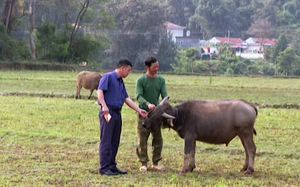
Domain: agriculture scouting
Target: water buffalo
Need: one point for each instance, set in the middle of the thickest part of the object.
(89, 80)
(215, 122)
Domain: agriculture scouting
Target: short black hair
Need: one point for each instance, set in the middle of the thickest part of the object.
(149, 61)
(124, 62)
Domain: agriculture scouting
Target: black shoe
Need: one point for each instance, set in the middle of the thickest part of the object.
(108, 172)
(118, 171)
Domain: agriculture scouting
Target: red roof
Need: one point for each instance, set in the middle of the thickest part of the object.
(230, 40)
(173, 26)
(271, 41)
(235, 42)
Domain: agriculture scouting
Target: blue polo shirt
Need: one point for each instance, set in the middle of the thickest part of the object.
(113, 89)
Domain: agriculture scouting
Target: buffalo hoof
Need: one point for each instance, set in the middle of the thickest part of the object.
(249, 172)
(187, 170)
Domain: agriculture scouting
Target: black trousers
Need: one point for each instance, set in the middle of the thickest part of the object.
(109, 140)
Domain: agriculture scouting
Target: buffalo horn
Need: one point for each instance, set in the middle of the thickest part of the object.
(166, 99)
(170, 121)
(167, 116)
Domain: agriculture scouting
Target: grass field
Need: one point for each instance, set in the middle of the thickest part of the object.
(52, 139)
(260, 90)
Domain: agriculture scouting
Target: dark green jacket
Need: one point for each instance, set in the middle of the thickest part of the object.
(148, 90)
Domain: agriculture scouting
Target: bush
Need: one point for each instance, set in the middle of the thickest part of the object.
(240, 68)
(12, 49)
(229, 71)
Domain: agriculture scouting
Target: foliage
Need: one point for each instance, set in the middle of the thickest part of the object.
(140, 26)
(288, 61)
(261, 28)
(296, 42)
(84, 48)
(224, 50)
(134, 30)
(181, 64)
(280, 45)
(240, 68)
(45, 35)
(55, 46)
(11, 13)
(215, 18)
(179, 12)
(268, 52)
(177, 66)
(206, 67)
(10, 48)
(106, 21)
(167, 52)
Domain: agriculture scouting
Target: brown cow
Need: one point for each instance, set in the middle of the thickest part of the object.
(89, 80)
(215, 122)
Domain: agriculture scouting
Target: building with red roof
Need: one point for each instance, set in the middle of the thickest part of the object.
(174, 30)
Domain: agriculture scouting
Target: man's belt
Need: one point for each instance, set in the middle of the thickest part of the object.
(118, 110)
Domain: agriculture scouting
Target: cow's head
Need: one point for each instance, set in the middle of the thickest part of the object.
(161, 116)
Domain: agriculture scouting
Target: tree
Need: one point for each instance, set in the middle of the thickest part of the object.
(8, 14)
(181, 65)
(180, 11)
(31, 18)
(289, 13)
(296, 42)
(240, 68)
(215, 18)
(76, 26)
(45, 35)
(11, 49)
(167, 52)
(261, 28)
(224, 49)
(280, 45)
(287, 61)
(192, 54)
(140, 25)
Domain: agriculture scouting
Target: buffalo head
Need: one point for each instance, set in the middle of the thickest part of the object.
(162, 115)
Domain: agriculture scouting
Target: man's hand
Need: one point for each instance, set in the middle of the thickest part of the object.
(143, 113)
(151, 106)
(105, 110)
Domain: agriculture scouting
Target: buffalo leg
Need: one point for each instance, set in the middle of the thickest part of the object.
(78, 92)
(250, 150)
(91, 92)
(246, 159)
(189, 156)
(192, 164)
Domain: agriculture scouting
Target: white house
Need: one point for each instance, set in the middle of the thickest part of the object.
(212, 46)
(174, 30)
(256, 45)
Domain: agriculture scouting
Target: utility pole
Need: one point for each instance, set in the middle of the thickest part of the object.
(228, 36)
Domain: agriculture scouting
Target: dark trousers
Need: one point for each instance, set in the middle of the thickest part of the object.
(142, 148)
(109, 140)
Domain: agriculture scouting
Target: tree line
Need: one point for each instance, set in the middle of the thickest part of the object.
(101, 32)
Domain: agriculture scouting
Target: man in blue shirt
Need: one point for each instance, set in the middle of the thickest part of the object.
(111, 95)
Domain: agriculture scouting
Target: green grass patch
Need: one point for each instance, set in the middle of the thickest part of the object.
(264, 91)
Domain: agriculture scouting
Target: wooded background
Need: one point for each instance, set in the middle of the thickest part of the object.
(101, 32)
